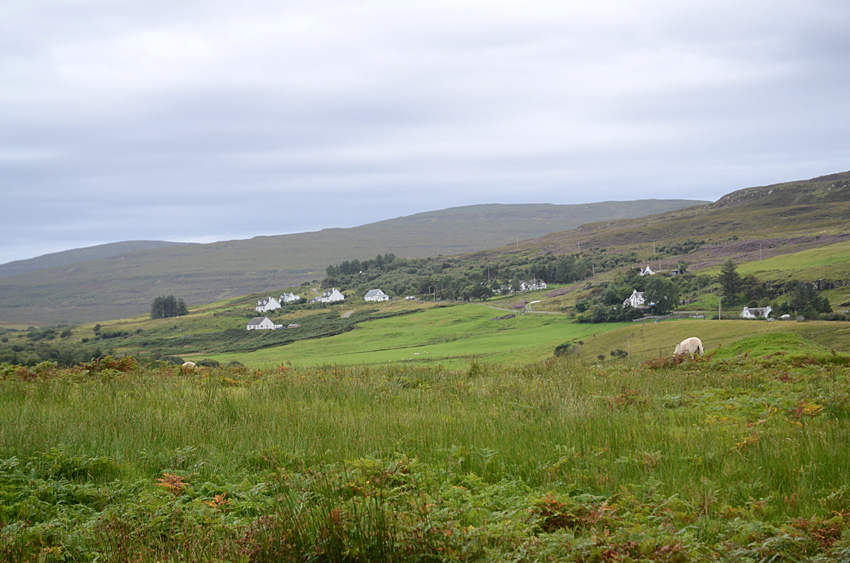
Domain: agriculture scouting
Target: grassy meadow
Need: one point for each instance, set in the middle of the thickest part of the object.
(452, 336)
(723, 339)
(735, 459)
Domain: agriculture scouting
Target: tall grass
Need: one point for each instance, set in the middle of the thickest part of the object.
(765, 440)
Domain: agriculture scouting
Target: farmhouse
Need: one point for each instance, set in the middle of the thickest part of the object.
(376, 295)
(261, 323)
(267, 304)
(329, 296)
(647, 271)
(532, 285)
(290, 298)
(756, 312)
(636, 299)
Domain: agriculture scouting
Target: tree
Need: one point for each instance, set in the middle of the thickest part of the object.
(729, 280)
(663, 293)
(168, 306)
(615, 294)
(806, 301)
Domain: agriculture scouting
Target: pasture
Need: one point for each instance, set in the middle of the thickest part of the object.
(454, 336)
(451, 336)
(736, 459)
(723, 339)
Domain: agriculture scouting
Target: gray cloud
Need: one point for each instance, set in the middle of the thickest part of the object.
(120, 120)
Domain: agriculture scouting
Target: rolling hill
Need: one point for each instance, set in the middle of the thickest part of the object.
(121, 280)
(748, 224)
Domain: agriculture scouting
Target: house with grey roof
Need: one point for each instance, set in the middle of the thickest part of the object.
(261, 323)
(636, 299)
(267, 304)
(376, 295)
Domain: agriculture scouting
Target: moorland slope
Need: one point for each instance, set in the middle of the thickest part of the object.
(748, 224)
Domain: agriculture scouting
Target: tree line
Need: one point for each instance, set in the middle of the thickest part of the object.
(467, 279)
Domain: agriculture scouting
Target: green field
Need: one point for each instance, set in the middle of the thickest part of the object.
(453, 336)
(724, 339)
(830, 262)
(734, 459)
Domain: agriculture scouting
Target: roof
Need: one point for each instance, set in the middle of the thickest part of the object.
(374, 293)
(258, 320)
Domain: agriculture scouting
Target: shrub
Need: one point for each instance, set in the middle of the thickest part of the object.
(566, 349)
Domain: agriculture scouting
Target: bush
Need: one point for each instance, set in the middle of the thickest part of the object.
(566, 349)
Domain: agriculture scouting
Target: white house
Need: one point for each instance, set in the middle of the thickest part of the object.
(260, 323)
(756, 312)
(330, 296)
(376, 295)
(532, 285)
(290, 298)
(647, 271)
(636, 299)
(267, 304)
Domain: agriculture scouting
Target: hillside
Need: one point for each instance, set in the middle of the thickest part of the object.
(80, 286)
(58, 259)
(748, 224)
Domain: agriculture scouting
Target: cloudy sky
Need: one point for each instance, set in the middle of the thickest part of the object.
(219, 119)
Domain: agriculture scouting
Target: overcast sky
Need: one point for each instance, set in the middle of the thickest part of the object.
(220, 119)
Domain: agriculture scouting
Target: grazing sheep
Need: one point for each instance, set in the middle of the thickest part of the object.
(689, 346)
(190, 365)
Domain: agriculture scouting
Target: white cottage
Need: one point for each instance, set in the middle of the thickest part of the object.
(261, 323)
(267, 304)
(376, 295)
(636, 299)
(756, 312)
(532, 285)
(290, 298)
(330, 296)
(647, 271)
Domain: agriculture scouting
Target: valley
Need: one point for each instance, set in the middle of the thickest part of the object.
(463, 419)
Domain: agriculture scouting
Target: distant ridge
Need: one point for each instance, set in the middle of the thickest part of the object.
(79, 286)
(76, 255)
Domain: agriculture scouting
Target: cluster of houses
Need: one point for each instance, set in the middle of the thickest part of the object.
(332, 295)
(524, 286)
